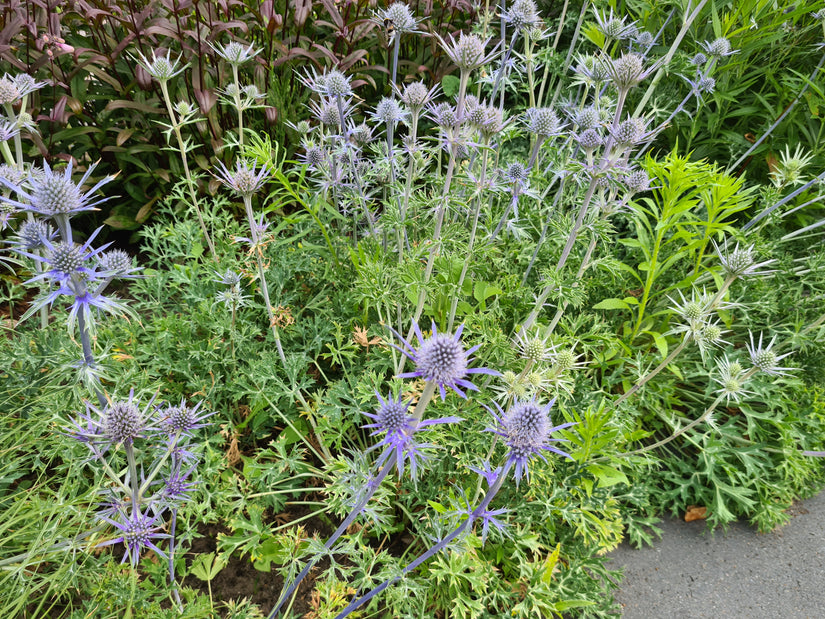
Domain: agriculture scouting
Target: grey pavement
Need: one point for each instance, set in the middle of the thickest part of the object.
(690, 573)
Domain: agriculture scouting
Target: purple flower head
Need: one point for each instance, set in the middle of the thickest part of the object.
(245, 180)
(121, 421)
(66, 261)
(32, 235)
(526, 429)
(54, 194)
(392, 418)
(441, 359)
(137, 532)
(183, 418)
(174, 489)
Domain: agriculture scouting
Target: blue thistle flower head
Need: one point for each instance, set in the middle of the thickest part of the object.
(391, 418)
(183, 418)
(54, 194)
(441, 359)
(137, 530)
(526, 429)
(120, 421)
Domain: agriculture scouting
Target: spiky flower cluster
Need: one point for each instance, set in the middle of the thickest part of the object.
(613, 27)
(54, 194)
(388, 110)
(8, 90)
(626, 71)
(162, 68)
(637, 181)
(765, 359)
(246, 179)
(400, 16)
(522, 15)
(468, 53)
(630, 131)
(589, 139)
(137, 530)
(126, 426)
(543, 122)
(184, 419)
(33, 234)
(236, 54)
(731, 377)
(123, 422)
(527, 431)
(416, 96)
(718, 48)
(740, 262)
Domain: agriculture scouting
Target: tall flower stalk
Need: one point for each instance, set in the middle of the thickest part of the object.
(163, 69)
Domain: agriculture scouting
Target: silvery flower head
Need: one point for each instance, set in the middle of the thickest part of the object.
(533, 347)
(643, 40)
(740, 262)
(53, 194)
(162, 68)
(637, 182)
(543, 122)
(444, 115)
(515, 174)
(234, 53)
(630, 131)
(332, 84)
(313, 156)
(9, 92)
(522, 15)
(718, 48)
(400, 17)
(627, 71)
(488, 119)
(416, 96)
(441, 359)
(709, 337)
(468, 53)
(527, 431)
(116, 263)
(591, 70)
(698, 60)
(731, 378)
(245, 179)
(765, 359)
(326, 112)
(613, 27)
(587, 118)
(389, 111)
(11, 175)
(26, 84)
(589, 140)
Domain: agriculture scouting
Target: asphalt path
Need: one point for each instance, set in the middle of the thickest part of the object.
(691, 573)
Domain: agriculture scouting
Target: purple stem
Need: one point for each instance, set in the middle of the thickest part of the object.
(372, 487)
(477, 512)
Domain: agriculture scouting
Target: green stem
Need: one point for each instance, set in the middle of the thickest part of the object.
(190, 182)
